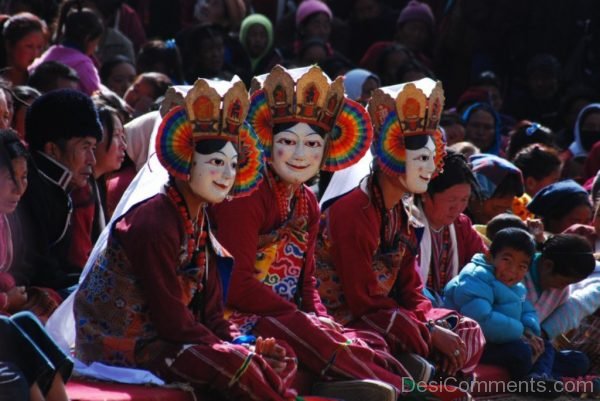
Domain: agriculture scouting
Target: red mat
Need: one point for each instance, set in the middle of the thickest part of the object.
(80, 389)
(87, 390)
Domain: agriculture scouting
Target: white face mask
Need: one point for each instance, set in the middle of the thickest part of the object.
(297, 153)
(213, 175)
(420, 166)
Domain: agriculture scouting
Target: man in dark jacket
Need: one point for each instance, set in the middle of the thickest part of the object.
(62, 129)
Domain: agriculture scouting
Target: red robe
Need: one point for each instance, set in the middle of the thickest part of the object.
(369, 297)
(328, 352)
(134, 309)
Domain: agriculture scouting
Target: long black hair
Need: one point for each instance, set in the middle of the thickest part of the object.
(77, 25)
(457, 170)
(11, 148)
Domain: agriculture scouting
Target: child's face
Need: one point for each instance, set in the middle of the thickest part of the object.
(257, 41)
(510, 265)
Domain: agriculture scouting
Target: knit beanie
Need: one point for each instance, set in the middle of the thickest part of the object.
(558, 199)
(416, 11)
(61, 114)
(310, 7)
(256, 19)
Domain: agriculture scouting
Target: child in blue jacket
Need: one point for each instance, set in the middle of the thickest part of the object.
(489, 289)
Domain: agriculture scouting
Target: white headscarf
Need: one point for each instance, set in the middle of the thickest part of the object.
(576, 147)
(354, 81)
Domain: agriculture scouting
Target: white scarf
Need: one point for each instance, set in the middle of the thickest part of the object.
(425, 247)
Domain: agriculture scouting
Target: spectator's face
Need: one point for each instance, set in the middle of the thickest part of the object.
(212, 54)
(366, 9)
(78, 156)
(533, 186)
(367, 89)
(110, 155)
(257, 40)
(581, 214)
(211, 11)
(140, 91)
(317, 26)
(393, 62)
(510, 266)
(121, 77)
(495, 96)
(542, 85)
(444, 207)
(27, 49)
(589, 131)
(550, 280)
(413, 34)
(454, 133)
(313, 55)
(492, 207)
(480, 129)
(12, 190)
(5, 114)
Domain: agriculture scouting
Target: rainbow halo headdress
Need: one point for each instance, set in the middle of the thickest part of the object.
(211, 110)
(401, 111)
(306, 95)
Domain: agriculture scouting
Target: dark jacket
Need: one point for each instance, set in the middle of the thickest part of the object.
(44, 227)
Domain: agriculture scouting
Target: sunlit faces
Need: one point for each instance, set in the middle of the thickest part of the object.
(78, 155)
(420, 166)
(110, 155)
(12, 190)
(27, 49)
(510, 265)
(581, 214)
(297, 153)
(444, 207)
(212, 175)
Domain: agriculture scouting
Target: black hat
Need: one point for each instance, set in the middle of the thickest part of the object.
(61, 115)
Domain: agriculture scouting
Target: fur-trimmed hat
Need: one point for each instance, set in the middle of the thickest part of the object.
(61, 115)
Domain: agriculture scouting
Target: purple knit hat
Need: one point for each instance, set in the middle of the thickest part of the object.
(416, 11)
(310, 7)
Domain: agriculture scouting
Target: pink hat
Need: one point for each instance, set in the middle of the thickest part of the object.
(416, 11)
(310, 7)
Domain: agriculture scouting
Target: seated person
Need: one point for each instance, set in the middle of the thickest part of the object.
(561, 205)
(62, 130)
(489, 290)
(26, 347)
(504, 220)
(565, 259)
(500, 182)
(144, 91)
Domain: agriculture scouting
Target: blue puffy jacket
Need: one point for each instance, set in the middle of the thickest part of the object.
(502, 311)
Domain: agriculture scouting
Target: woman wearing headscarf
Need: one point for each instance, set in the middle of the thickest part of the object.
(561, 205)
(256, 37)
(499, 181)
(482, 128)
(359, 84)
(587, 133)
